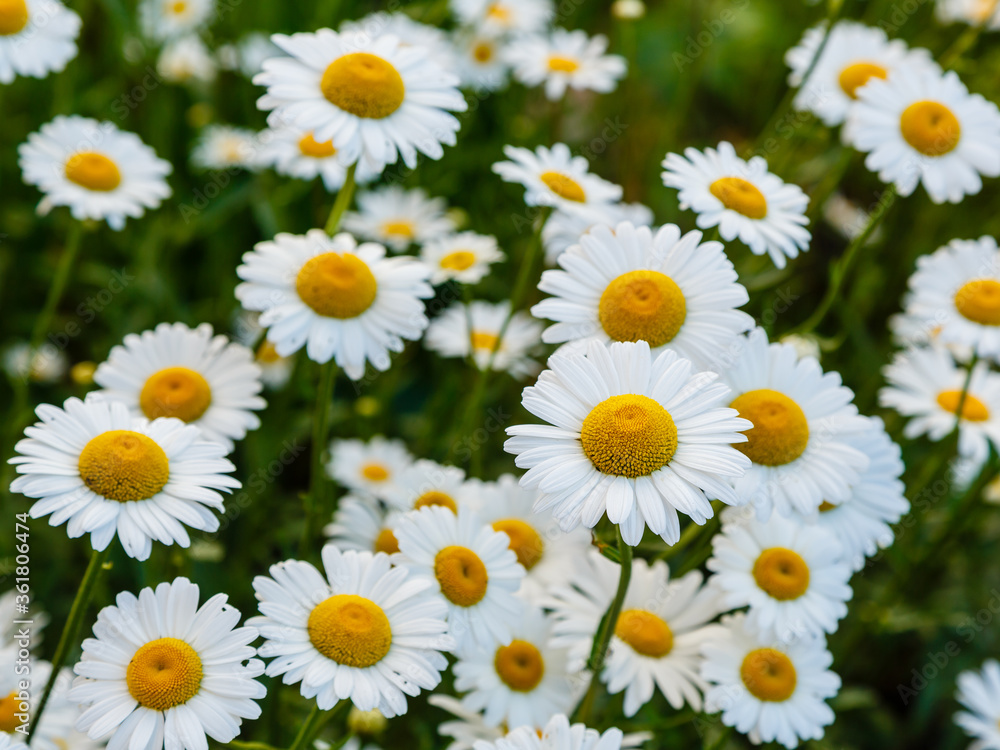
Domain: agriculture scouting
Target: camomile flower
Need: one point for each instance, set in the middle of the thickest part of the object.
(565, 60)
(294, 152)
(96, 170)
(161, 671)
(627, 283)
(186, 60)
(658, 636)
(910, 330)
(398, 218)
(226, 147)
(427, 483)
(638, 437)
(558, 734)
(768, 690)
(471, 565)
(973, 12)
(499, 17)
(372, 468)
(376, 98)
(189, 374)
(340, 300)
(465, 257)
(481, 60)
(854, 54)
(365, 631)
(742, 198)
(979, 694)
(37, 37)
(105, 472)
(565, 228)
(361, 524)
(168, 19)
(411, 33)
(55, 730)
(920, 126)
(449, 335)
(46, 364)
(554, 177)
(247, 56)
(275, 370)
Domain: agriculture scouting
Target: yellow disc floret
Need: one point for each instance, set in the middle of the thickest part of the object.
(8, 707)
(520, 665)
(386, 542)
(434, 498)
(931, 128)
(646, 633)
(781, 573)
(979, 301)
(399, 228)
(973, 410)
(164, 673)
(629, 435)
(526, 543)
(740, 196)
(780, 430)
(123, 465)
(309, 146)
(459, 260)
(769, 675)
(364, 85)
(564, 186)
(484, 341)
(175, 392)
(13, 17)
(93, 171)
(559, 64)
(350, 630)
(462, 575)
(375, 472)
(642, 306)
(337, 285)
(857, 75)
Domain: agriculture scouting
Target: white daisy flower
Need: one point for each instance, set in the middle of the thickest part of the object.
(163, 672)
(973, 12)
(366, 632)
(397, 217)
(565, 228)
(628, 283)
(55, 730)
(411, 33)
(9, 612)
(46, 364)
(467, 728)
(361, 524)
(168, 19)
(979, 693)
(767, 690)
(247, 56)
(473, 568)
(37, 37)
(275, 370)
(565, 60)
(294, 152)
(658, 637)
(100, 172)
(481, 60)
(558, 735)
(186, 60)
(465, 257)
(554, 177)
(636, 437)
(854, 54)
(922, 126)
(227, 147)
(449, 335)
(376, 98)
(743, 199)
(909, 330)
(496, 17)
(190, 374)
(428, 483)
(104, 471)
(372, 468)
(340, 300)
(801, 417)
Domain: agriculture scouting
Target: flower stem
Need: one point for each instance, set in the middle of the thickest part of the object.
(316, 500)
(58, 286)
(313, 724)
(342, 202)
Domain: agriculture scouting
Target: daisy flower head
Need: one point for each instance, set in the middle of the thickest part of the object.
(55, 730)
(554, 177)
(629, 283)
(769, 690)
(189, 374)
(973, 12)
(473, 568)
(361, 524)
(227, 147)
(565, 228)
(375, 97)
(564, 60)
(37, 37)
(920, 126)
(372, 468)
(339, 299)
(427, 483)
(636, 437)
(161, 671)
(979, 694)
(742, 198)
(397, 217)
(853, 55)
(503, 17)
(294, 152)
(465, 257)
(558, 734)
(168, 19)
(481, 60)
(450, 335)
(96, 170)
(104, 471)
(186, 59)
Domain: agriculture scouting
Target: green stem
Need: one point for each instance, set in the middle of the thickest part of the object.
(313, 723)
(963, 44)
(342, 202)
(316, 501)
(58, 286)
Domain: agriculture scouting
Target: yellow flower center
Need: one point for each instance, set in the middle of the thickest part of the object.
(740, 196)
(364, 85)
(375, 472)
(350, 630)
(979, 301)
(781, 573)
(13, 17)
(973, 410)
(8, 707)
(93, 171)
(164, 673)
(178, 8)
(769, 675)
(564, 187)
(337, 285)
(520, 665)
(484, 341)
(642, 306)
(175, 392)
(629, 436)
(498, 12)
(645, 632)
(436, 498)
(525, 542)
(482, 52)
(461, 574)
(309, 146)
(558, 64)
(386, 542)
(399, 228)
(857, 75)
(780, 431)
(123, 465)
(930, 127)
(266, 353)
(458, 260)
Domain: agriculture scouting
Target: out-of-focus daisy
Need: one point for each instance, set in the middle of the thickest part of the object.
(427, 483)
(973, 12)
(55, 729)
(558, 734)
(659, 634)
(565, 59)
(628, 10)
(467, 728)
(636, 437)
(37, 37)
(922, 126)
(473, 568)
(186, 60)
(376, 98)
(163, 672)
(768, 690)
(480, 60)
(554, 177)
(104, 471)
(226, 147)
(498, 17)
(464, 257)
(374, 468)
(854, 54)
(742, 198)
(340, 300)
(979, 694)
(167, 19)
(8, 742)
(295, 153)
(628, 283)
(96, 170)
(275, 370)
(248, 55)
(411, 33)
(848, 218)
(190, 374)
(10, 611)
(397, 217)
(361, 524)
(565, 228)
(449, 335)
(46, 364)
(908, 330)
